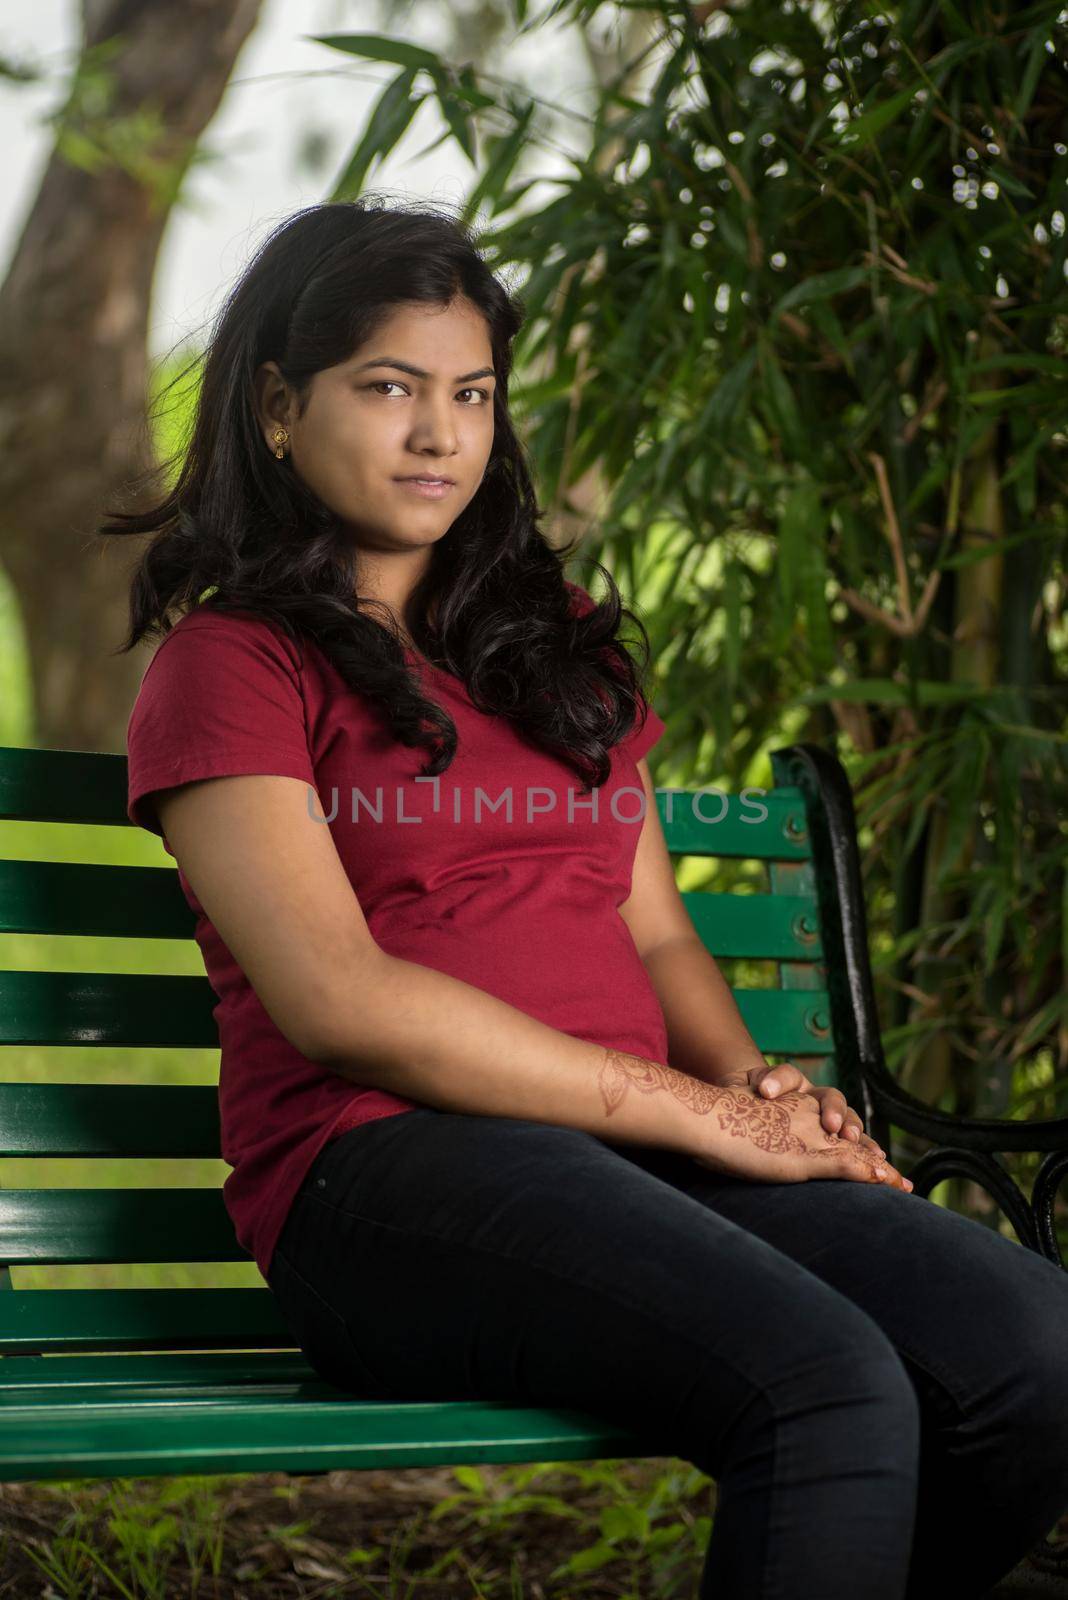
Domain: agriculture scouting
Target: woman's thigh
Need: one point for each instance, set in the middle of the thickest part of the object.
(979, 1321)
(960, 1302)
(433, 1255)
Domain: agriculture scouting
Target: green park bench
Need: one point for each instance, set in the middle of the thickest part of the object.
(109, 1382)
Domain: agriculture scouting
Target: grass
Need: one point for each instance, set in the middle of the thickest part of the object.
(604, 1528)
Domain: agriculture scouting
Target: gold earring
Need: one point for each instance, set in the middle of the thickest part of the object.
(280, 437)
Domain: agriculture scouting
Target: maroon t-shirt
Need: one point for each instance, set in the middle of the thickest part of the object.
(524, 906)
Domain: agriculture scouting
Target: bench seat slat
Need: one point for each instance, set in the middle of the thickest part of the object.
(191, 1373)
(295, 1433)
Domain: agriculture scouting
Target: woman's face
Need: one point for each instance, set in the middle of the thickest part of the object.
(372, 422)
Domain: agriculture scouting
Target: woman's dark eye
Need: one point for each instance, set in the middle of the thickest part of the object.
(390, 383)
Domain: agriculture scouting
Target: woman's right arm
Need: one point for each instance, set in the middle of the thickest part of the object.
(271, 882)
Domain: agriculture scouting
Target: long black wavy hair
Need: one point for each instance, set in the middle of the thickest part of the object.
(239, 531)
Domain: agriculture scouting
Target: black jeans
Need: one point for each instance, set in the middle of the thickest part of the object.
(878, 1385)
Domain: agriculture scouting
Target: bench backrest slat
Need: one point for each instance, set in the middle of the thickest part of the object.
(107, 1008)
(50, 1226)
(83, 898)
(160, 1121)
(56, 1320)
(62, 786)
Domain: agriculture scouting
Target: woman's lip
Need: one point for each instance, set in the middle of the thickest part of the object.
(415, 478)
(428, 489)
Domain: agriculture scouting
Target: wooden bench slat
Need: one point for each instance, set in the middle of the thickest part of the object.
(693, 824)
(82, 898)
(85, 786)
(779, 927)
(190, 1373)
(119, 1008)
(58, 897)
(62, 786)
(86, 1226)
(180, 1121)
(787, 1022)
(295, 1432)
(107, 1008)
(139, 1319)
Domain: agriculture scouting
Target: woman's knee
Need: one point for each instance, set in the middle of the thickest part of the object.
(859, 1366)
(832, 1379)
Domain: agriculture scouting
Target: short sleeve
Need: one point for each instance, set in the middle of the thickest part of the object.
(220, 697)
(641, 740)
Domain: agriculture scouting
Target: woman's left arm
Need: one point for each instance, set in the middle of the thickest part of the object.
(706, 1034)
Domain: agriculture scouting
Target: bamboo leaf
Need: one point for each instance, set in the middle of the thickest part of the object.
(390, 116)
(862, 130)
(732, 618)
(814, 577)
(1009, 181)
(822, 286)
(863, 691)
(782, 403)
(1035, 60)
(456, 115)
(962, 795)
(989, 547)
(726, 398)
(377, 47)
(502, 153)
(798, 527)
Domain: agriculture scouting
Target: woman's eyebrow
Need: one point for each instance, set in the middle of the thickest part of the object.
(417, 372)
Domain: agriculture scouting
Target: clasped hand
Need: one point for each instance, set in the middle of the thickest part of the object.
(835, 1115)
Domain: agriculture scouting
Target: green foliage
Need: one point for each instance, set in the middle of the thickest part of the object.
(801, 304)
(643, 1527)
(647, 1538)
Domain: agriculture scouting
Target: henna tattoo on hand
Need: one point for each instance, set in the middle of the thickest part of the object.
(740, 1112)
(765, 1123)
(620, 1069)
(868, 1157)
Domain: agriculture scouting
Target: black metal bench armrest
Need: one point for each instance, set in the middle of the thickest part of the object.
(968, 1146)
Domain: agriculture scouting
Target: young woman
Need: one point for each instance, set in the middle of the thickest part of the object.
(496, 1127)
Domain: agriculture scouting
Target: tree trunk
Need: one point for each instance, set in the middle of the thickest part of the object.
(73, 352)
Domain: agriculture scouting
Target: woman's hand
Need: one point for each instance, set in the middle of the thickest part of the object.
(835, 1115)
(803, 1133)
